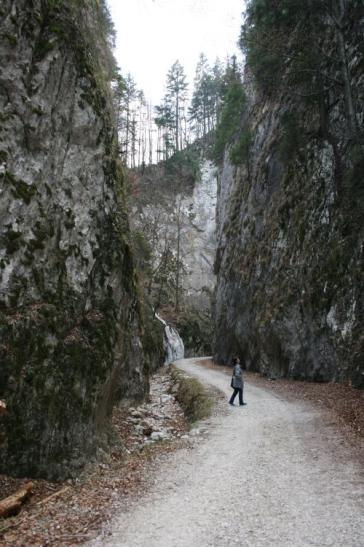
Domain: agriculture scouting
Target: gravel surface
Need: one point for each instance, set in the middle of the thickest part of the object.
(272, 473)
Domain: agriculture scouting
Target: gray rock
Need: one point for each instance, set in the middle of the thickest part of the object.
(159, 436)
(69, 331)
(289, 295)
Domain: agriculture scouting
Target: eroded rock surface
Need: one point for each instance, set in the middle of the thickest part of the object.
(290, 239)
(69, 320)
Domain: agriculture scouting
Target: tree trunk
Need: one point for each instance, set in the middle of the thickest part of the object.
(12, 504)
(178, 267)
(177, 122)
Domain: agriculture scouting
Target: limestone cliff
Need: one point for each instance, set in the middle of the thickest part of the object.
(174, 208)
(289, 262)
(70, 330)
(192, 206)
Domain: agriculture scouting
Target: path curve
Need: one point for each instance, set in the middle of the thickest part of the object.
(268, 474)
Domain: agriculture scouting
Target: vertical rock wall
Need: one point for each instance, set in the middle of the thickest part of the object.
(198, 238)
(289, 262)
(70, 334)
(195, 202)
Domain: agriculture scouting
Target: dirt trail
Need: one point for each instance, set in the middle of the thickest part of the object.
(267, 474)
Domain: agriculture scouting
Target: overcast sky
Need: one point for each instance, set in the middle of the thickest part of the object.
(152, 34)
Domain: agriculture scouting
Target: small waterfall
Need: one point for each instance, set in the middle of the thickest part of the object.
(172, 343)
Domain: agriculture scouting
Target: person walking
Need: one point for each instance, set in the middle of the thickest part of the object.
(237, 382)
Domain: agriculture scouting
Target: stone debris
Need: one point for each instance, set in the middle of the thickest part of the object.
(142, 434)
(159, 419)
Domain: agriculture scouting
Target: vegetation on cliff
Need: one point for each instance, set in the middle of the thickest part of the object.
(291, 227)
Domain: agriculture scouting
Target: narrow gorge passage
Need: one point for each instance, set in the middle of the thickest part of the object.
(268, 474)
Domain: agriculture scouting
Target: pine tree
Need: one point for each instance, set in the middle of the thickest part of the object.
(177, 95)
(232, 109)
(304, 45)
(217, 75)
(126, 123)
(171, 113)
(165, 124)
(206, 97)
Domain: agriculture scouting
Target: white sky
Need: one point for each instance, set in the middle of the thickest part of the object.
(153, 34)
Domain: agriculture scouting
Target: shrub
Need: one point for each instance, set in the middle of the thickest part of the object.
(195, 401)
(239, 153)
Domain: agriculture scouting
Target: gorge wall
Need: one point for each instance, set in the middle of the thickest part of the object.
(172, 203)
(70, 326)
(173, 208)
(289, 263)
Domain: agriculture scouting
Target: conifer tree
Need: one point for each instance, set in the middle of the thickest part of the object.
(233, 105)
(290, 38)
(177, 94)
(171, 112)
(126, 124)
(206, 97)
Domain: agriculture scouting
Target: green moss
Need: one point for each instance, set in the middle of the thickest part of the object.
(11, 38)
(292, 137)
(3, 156)
(42, 231)
(70, 224)
(5, 116)
(35, 244)
(48, 190)
(37, 110)
(12, 240)
(43, 46)
(20, 189)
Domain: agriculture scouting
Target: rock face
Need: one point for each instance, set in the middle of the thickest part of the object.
(179, 203)
(174, 212)
(70, 334)
(199, 241)
(289, 297)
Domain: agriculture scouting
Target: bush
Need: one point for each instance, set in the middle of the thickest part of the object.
(239, 154)
(184, 163)
(195, 401)
(230, 119)
(196, 329)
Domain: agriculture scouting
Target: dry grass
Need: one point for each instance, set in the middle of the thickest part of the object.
(195, 401)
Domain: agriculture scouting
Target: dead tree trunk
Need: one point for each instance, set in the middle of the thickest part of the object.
(12, 504)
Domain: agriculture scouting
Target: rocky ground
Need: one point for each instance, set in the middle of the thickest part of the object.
(145, 438)
(78, 507)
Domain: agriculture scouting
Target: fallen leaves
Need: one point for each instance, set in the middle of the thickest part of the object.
(73, 512)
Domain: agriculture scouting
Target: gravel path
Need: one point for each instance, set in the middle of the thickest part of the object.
(267, 474)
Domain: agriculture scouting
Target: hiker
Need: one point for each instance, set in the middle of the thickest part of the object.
(237, 382)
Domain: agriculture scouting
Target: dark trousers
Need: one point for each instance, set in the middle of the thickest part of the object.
(236, 391)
